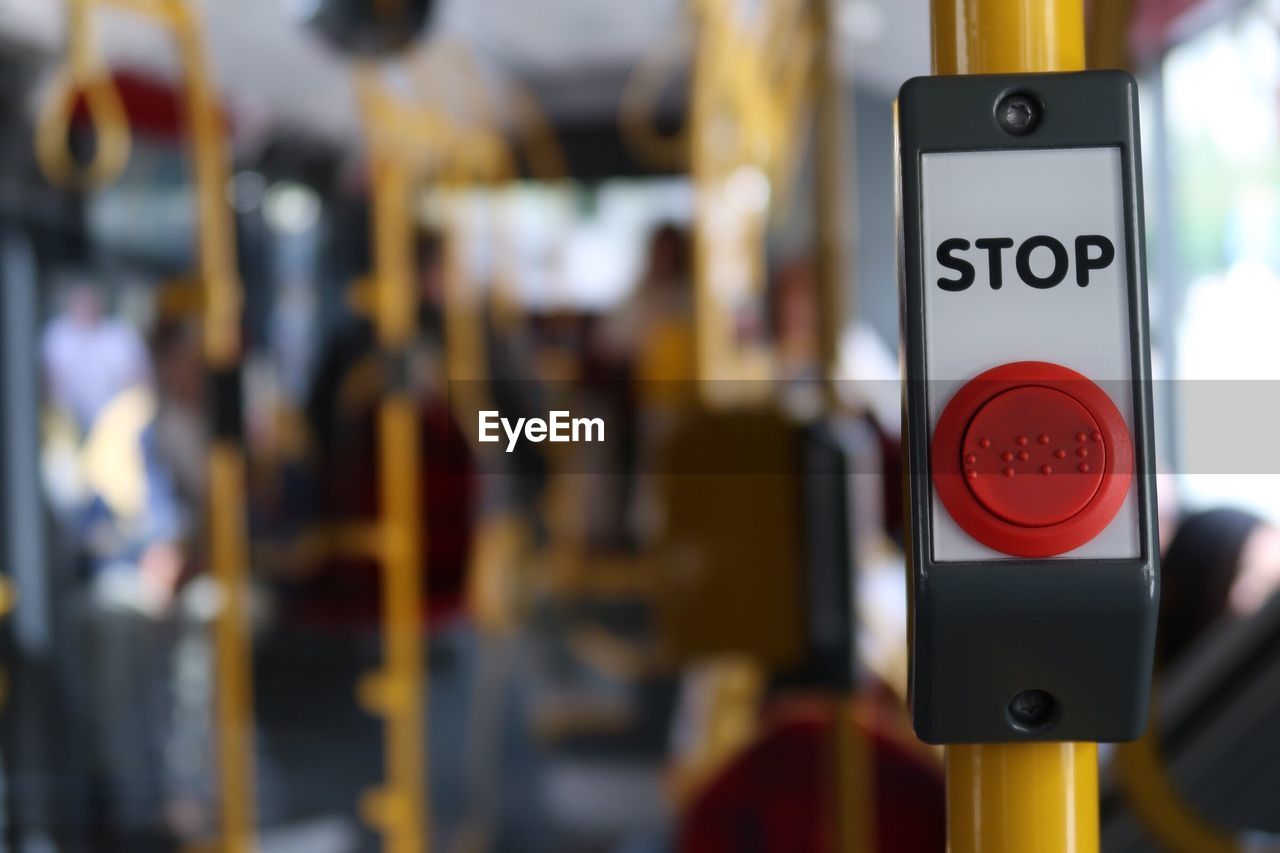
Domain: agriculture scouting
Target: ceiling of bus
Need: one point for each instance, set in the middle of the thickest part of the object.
(576, 53)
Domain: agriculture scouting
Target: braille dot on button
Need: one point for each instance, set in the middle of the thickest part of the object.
(970, 459)
(1020, 416)
(1040, 414)
(1096, 435)
(1082, 452)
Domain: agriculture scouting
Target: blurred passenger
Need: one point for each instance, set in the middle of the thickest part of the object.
(179, 437)
(142, 482)
(516, 393)
(293, 335)
(180, 433)
(652, 331)
(795, 319)
(89, 356)
(779, 794)
(343, 413)
(1221, 564)
(649, 343)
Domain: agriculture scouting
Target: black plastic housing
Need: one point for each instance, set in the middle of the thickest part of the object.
(982, 632)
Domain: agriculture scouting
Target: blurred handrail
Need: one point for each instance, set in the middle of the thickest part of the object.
(82, 75)
(638, 107)
(748, 94)
(1161, 810)
(222, 301)
(757, 70)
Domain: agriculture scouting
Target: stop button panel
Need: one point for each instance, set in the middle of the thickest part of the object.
(1021, 295)
(1027, 408)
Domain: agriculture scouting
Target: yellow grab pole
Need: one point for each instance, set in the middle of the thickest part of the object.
(829, 191)
(8, 600)
(228, 533)
(223, 299)
(1020, 797)
(854, 754)
(400, 809)
(1015, 797)
(1007, 36)
(234, 686)
(406, 140)
(223, 293)
(1107, 34)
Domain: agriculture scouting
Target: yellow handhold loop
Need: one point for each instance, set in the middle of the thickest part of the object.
(750, 76)
(84, 76)
(755, 75)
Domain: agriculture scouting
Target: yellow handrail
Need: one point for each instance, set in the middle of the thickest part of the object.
(84, 75)
(1149, 793)
(8, 600)
(638, 107)
(755, 75)
(400, 809)
(748, 95)
(1015, 797)
(1007, 36)
(408, 141)
(222, 302)
(1020, 797)
(750, 78)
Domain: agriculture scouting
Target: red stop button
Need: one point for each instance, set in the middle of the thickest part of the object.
(1033, 456)
(1032, 459)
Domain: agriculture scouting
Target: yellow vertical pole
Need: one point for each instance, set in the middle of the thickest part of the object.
(228, 556)
(706, 334)
(855, 768)
(222, 303)
(1007, 36)
(1020, 797)
(1015, 797)
(1107, 34)
(233, 684)
(855, 781)
(400, 808)
(830, 191)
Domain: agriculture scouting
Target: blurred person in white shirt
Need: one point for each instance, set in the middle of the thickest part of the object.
(88, 355)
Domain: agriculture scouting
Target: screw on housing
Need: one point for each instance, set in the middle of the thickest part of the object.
(1018, 113)
(1032, 710)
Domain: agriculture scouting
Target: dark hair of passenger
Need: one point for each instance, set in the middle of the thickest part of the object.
(1196, 575)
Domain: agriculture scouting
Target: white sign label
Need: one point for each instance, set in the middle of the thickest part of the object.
(1025, 260)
